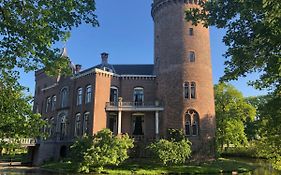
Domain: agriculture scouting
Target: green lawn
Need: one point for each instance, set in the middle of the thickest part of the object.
(144, 166)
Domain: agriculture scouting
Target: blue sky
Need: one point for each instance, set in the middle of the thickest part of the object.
(126, 33)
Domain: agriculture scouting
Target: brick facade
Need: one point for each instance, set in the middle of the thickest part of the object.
(154, 97)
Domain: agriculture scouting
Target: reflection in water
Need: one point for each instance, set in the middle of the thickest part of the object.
(264, 168)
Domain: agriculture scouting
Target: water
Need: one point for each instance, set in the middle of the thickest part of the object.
(264, 168)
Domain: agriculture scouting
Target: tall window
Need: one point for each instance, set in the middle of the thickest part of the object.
(193, 90)
(64, 97)
(54, 101)
(79, 96)
(138, 125)
(186, 90)
(190, 32)
(114, 94)
(138, 95)
(78, 124)
(189, 90)
(191, 56)
(85, 123)
(52, 126)
(48, 103)
(191, 123)
(88, 98)
(63, 126)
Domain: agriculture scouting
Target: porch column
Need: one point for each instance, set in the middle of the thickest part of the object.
(119, 123)
(156, 123)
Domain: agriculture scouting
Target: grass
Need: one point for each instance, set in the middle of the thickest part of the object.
(144, 166)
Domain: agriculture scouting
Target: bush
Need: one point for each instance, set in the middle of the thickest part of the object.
(176, 150)
(93, 153)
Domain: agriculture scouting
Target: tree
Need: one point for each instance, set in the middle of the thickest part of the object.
(28, 32)
(93, 153)
(253, 32)
(232, 111)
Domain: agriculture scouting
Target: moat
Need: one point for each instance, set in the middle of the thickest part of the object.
(263, 168)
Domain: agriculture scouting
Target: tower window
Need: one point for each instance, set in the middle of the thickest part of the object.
(193, 90)
(191, 116)
(191, 56)
(189, 90)
(186, 90)
(191, 32)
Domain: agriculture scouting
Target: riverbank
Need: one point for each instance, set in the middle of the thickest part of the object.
(144, 166)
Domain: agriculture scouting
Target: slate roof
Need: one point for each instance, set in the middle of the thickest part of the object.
(137, 69)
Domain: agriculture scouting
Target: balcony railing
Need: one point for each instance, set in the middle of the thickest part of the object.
(134, 106)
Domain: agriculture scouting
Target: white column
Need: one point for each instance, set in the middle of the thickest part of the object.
(156, 122)
(119, 123)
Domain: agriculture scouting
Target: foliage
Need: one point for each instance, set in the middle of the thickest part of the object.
(253, 32)
(30, 28)
(232, 111)
(28, 32)
(176, 150)
(16, 117)
(176, 135)
(144, 166)
(93, 153)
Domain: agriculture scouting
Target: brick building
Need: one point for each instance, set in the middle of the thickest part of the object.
(141, 100)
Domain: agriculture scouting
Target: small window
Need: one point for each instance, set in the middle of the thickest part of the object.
(48, 104)
(54, 101)
(190, 32)
(191, 56)
(88, 98)
(193, 90)
(186, 90)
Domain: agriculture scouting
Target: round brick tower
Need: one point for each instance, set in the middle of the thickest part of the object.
(184, 73)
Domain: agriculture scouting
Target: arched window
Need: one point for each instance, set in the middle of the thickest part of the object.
(85, 123)
(79, 96)
(186, 90)
(138, 96)
(138, 122)
(64, 97)
(113, 94)
(53, 104)
(63, 126)
(191, 56)
(193, 90)
(187, 124)
(88, 98)
(78, 124)
(192, 123)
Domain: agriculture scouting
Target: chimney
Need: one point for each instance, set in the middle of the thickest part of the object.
(78, 68)
(104, 58)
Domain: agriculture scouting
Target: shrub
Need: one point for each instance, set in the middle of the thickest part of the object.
(176, 150)
(93, 153)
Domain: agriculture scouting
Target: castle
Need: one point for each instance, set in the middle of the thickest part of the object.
(141, 100)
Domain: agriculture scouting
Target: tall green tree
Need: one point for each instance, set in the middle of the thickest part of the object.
(28, 31)
(232, 111)
(253, 32)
